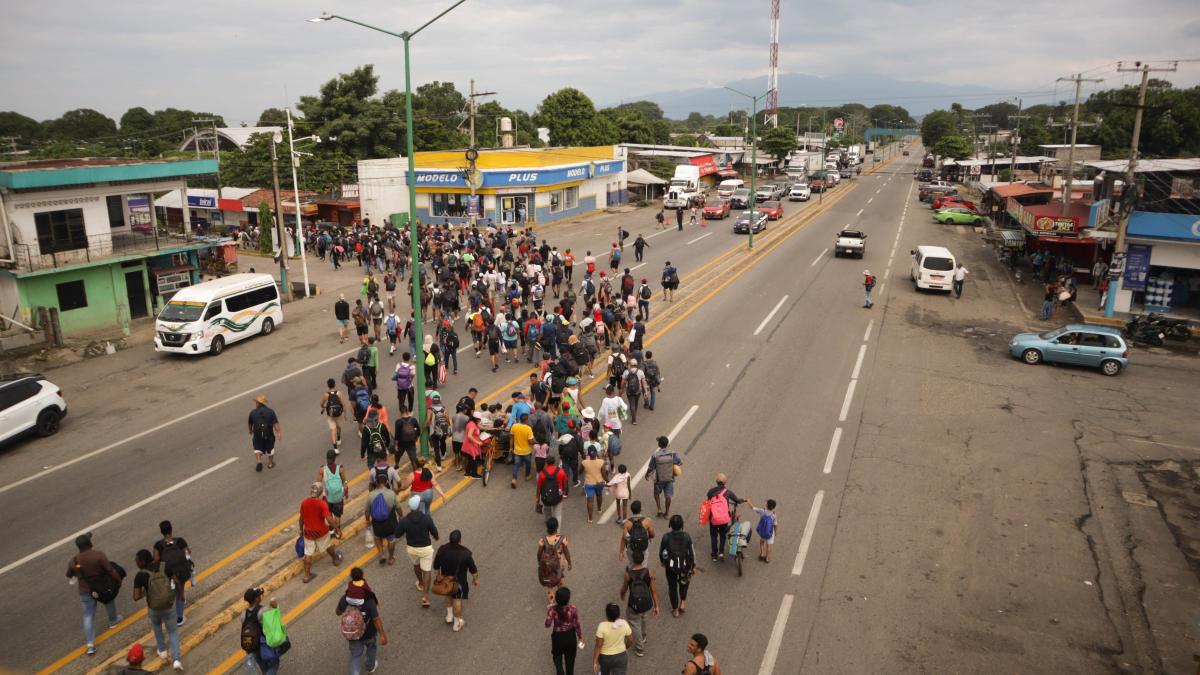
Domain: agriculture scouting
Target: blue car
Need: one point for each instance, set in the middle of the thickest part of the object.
(1075, 344)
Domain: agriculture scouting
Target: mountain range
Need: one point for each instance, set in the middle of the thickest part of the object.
(798, 89)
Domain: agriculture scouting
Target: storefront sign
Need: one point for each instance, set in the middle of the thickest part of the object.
(475, 205)
(1137, 267)
(510, 178)
(1055, 225)
(349, 192)
(607, 168)
(201, 202)
(706, 164)
(441, 178)
(1175, 226)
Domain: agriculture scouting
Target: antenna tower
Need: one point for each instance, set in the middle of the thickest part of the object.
(771, 114)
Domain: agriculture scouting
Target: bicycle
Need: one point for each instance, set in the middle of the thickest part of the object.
(738, 539)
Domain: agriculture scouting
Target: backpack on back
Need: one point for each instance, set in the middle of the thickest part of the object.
(477, 322)
(354, 624)
(251, 631)
(766, 527)
(664, 467)
(441, 422)
(380, 511)
(335, 490)
(718, 509)
(550, 563)
(646, 293)
(639, 591)
(407, 431)
(653, 375)
(333, 405)
(375, 440)
(159, 594)
(404, 375)
(617, 367)
(174, 559)
(638, 538)
(362, 399)
(633, 386)
(363, 355)
(551, 494)
(677, 554)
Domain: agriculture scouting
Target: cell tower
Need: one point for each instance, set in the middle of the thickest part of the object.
(771, 114)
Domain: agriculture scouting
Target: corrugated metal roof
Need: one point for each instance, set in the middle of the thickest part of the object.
(1147, 165)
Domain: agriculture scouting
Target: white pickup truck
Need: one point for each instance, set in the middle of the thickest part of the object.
(850, 242)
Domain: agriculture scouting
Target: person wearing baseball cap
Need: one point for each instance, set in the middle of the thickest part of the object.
(419, 533)
(264, 432)
(868, 286)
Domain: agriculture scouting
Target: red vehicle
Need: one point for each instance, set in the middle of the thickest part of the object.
(816, 185)
(947, 201)
(774, 210)
(717, 209)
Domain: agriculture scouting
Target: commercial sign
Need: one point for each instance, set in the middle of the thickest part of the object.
(706, 164)
(1055, 224)
(201, 202)
(839, 123)
(506, 178)
(1175, 226)
(1137, 267)
(607, 168)
(475, 205)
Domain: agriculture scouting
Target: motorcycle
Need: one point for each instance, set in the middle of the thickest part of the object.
(1144, 332)
(1173, 328)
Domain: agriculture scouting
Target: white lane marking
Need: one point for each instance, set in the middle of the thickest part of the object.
(640, 476)
(886, 273)
(818, 258)
(846, 401)
(870, 200)
(833, 446)
(637, 266)
(806, 540)
(776, 641)
(862, 351)
(699, 238)
(881, 287)
(243, 396)
(767, 320)
(860, 212)
(97, 525)
(663, 231)
(867, 333)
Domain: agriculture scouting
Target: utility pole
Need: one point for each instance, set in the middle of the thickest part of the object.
(1016, 135)
(296, 196)
(1128, 201)
(279, 229)
(473, 152)
(216, 152)
(1069, 178)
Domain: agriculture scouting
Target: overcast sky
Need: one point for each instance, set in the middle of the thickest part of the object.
(237, 58)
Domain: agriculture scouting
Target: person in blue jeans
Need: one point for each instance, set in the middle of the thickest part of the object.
(360, 597)
(160, 619)
(91, 564)
(1048, 302)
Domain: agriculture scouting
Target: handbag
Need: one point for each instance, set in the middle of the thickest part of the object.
(676, 470)
(444, 585)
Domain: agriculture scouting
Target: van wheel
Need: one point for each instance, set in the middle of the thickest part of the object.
(48, 422)
(268, 325)
(1031, 356)
(1110, 367)
(216, 346)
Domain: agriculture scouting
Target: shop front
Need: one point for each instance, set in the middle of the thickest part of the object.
(1162, 264)
(1057, 236)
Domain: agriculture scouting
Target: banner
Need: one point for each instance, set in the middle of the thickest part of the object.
(1137, 267)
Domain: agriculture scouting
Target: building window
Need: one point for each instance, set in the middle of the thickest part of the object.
(71, 295)
(453, 205)
(116, 211)
(60, 230)
(564, 200)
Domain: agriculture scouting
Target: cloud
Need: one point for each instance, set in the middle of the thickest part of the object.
(237, 58)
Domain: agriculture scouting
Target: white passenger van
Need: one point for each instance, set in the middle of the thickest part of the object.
(726, 188)
(204, 318)
(932, 267)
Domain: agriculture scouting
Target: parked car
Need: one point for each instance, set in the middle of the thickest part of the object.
(832, 178)
(742, 224)
(717, 209)
(850, 242)
(740, 198)
(29, 403)
(957, 216)
(923, 175)
(768, 191)
(773, 209)
(800, 193)
(947, 201)
(1074, 344)
(932, 268)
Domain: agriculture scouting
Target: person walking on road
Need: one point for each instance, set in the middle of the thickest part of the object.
(634, 385)
(679, 218)
(670, 281)
(960, 275)
(678, 558)
(99, 583)
(868, 286)
(252, 632)
(654, 378)
(264, 432)
(337, 488)
(1048, 297)
(566, 633)
(380, 513)
(719, 503)
(665, 467)
(455, 560)
(361, 624)
(701, 661)
(644, 294)
(370, 364)
(315, 525)
(419, 533)
(405, 378)
(153, 583)
(639, 247)
(553, 558)
(551, 489)
(333, 409)
(174, 553)
(643, 598)
(408, 432)
(595, 477)
(613, 639)
(341, 312)
(636, 532)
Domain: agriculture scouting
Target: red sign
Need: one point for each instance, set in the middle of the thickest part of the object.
(1056, 224)
(706, 164)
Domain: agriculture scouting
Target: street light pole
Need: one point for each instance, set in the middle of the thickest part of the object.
(413, 231)
(296, 197)
(753, 160)
(276, 139)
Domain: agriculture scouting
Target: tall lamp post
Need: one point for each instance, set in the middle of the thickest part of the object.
(413, 231)
(753, 159)
(296, 193)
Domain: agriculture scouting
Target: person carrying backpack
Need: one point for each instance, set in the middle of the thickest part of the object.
(337, 488)
(154, 584)
(408, 433)
(636, 532)
(333, 409)
(315, 525)
(717, 512)
(174, 553)
(768, 526)
(253, 638)
(405, 377)
(380, 512)
(551, 489)
(670, 281)
(654, 379)
(678, 558)
(868, 286)
(264, 432)
(554, 559)
(99, 583)
(643, 598)
(644, 294)
(634, 384)
(360, 623)
(360, 398)
(665, 466)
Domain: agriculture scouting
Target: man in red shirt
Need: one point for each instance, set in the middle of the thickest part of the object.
(551, 489)
(315, 523)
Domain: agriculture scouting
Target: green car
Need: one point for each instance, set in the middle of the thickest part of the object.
(957, 216)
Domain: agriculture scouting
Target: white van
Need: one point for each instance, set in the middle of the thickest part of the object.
(932, 267)
(202, 319)
(727, 187)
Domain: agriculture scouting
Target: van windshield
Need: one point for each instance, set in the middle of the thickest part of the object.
(180, 310)
(938, 264)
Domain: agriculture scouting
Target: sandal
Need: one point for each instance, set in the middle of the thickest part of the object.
(310, 578)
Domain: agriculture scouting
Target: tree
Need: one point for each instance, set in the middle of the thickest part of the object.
(779, 142)
(136, 120)
(16, 124)
(271, 117)
(687, 140)
(1032, 134)
(266, 228)
(82, 124)
(649, 109)
(955, 147)
(572, 120)
(363, 126)
(695, 120)
(727, 130)
(937, 125)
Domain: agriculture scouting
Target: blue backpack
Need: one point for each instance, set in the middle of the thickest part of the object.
(766, 526)
(533, 331)
(379, 509)
(362, 399)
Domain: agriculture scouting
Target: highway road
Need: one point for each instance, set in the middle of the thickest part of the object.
(928, 503)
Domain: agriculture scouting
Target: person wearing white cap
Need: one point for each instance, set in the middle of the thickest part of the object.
(868, 286)
(419, 533)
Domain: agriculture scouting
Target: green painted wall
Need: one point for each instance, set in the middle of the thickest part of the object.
(107, 296)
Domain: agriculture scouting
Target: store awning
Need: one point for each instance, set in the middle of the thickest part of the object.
(1012, 238)
(644, 177)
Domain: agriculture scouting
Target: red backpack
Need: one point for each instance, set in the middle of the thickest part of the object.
(715, 510)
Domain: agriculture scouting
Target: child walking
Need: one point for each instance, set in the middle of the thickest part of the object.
(619, 486)
(768, 525)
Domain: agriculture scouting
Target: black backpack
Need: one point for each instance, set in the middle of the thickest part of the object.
(652, 374)
(617, 367)
(333, 405)
(364, 355)
(251, 631)
(638, 538)
(646, 293)
(174, 558)
(677, 555)
(551, 494)
(639, 591)
(633, 386)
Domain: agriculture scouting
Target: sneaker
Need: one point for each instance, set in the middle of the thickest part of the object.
(162, 655)
(449, 615)
(458, 624)
(114, 622)
(91, 650)
(373, 667)
(179, 666)
(258, 467)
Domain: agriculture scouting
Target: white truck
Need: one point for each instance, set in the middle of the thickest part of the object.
(854, 154)
(804, 163)
(685, 188)
(850, 242)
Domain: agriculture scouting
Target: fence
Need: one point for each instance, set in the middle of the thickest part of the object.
(30, 258)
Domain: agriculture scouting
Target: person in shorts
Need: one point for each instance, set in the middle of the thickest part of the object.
(594, 480)
(662, 471)
(419, 533)
(315, 529)
(264, 432)
(455, 560)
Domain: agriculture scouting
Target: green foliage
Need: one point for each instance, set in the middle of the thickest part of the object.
(662, 167)
(271, 117)
(1033, 134)
(778, 142)
(266, 229)
(346, 112)
(649, 109)
(727, 130)
(137, 120)
(81, 124)
(936, 126)
(687, 140)
(634, 126)
(572, 120)
(884, 115)
(956, 147)
(25, 129)
(1170, 121)
(326, 169)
